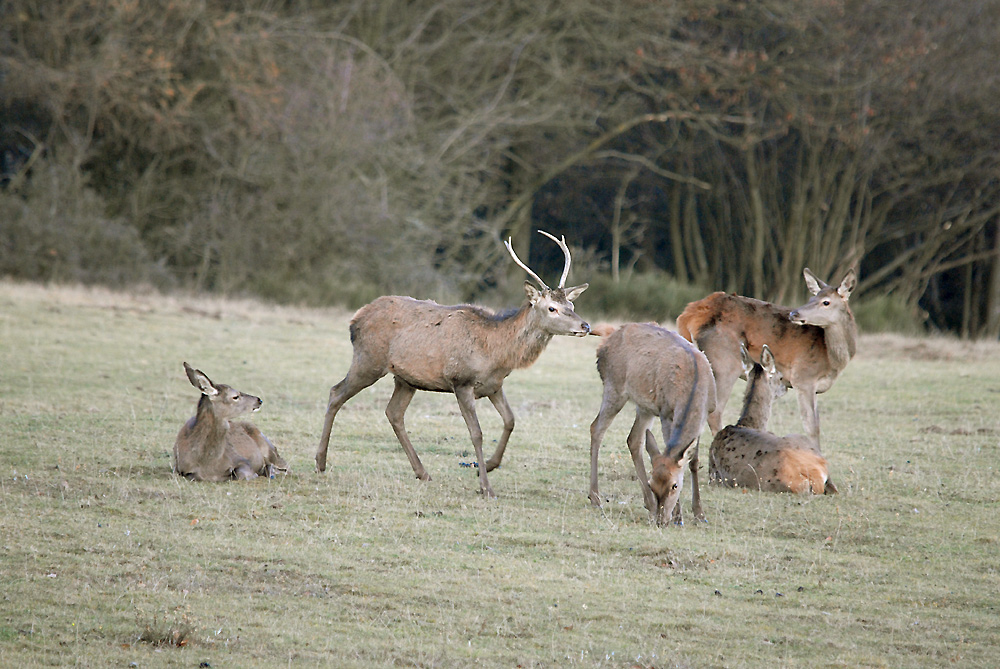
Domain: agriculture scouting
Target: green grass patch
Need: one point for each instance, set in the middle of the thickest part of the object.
(107, 559)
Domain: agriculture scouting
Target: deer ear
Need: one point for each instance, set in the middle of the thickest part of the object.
(812, 283)
(575, 291)
(767, 360)
(746, 360)
(200, 381)
(532, 293)
(848, 284)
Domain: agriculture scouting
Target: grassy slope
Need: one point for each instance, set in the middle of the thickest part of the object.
(107, 559)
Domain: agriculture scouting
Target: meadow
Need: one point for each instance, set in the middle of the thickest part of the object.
(109, 560)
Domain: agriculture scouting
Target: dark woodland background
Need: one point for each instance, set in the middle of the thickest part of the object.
(327, 152)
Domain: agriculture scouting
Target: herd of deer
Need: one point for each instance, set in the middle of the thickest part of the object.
(684, 378)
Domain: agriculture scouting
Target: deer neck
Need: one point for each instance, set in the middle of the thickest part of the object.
(757, 406)
(522, 339)
(841, 342)
(209, 432)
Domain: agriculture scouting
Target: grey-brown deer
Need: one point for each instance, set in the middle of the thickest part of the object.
(665, 377)
(747, 455)
(466, 350)
(211, 447)
(811, 344)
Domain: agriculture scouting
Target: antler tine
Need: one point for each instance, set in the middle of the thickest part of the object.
(510, 249)
(565, 250)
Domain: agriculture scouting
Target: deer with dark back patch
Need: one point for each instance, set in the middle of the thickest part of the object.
(811, 344)
(747, 455)
(465, 350)
(210, 447)
(665, 377)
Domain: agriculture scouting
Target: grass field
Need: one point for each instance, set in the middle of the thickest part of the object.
(108, 560)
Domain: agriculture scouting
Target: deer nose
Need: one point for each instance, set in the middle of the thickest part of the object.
(585, 327)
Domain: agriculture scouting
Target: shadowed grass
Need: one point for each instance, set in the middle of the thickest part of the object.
(108, 559)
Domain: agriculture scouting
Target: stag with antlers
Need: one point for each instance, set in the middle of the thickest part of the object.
(466, 350)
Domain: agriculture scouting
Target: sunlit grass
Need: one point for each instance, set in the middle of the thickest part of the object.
(108, 559)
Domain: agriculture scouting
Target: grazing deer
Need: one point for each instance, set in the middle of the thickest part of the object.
(748, 456)
(811, 344)
(666, 377)
(465, 350)
(211, 448)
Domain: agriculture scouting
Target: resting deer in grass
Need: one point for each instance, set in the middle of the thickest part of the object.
(212, 448)
(748, 456)
(465, 350)
(811, 344)
(666, 377)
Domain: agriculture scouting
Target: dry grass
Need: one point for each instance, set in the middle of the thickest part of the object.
(108, 560)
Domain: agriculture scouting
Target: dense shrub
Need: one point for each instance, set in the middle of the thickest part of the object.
(55, 228)
(651, 296)
(885, 313)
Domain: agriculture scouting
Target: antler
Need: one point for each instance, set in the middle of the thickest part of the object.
(565, 250)
(527, 269)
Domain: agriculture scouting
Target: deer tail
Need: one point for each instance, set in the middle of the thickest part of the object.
(697, 315)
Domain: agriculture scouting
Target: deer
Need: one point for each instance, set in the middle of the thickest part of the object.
(664, 376)
(747, 455)
(465, 350)
(210, 447)
(811, 344)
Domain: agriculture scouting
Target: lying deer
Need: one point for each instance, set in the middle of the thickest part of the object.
(465, 350)
(747, 455)
(211, 448)
(811, 344)
(665, 377)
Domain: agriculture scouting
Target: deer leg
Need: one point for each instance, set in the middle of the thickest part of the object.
(499, 400)
(243, 471)
(394, 411)
(467, 403)
(636, 440)
(723, 352)
(699, 514)
(611, 404)
(810, 413)
(339, 394)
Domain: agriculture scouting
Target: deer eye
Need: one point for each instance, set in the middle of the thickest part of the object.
(826, 303)
(673, 487)
(553, 310)
(236, 397)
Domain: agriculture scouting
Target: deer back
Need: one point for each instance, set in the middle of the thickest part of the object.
(436, 347)
(660, 372)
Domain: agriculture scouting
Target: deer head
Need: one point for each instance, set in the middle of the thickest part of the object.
(828, 305)
(226, 402)
(554, 306)
(666, 482)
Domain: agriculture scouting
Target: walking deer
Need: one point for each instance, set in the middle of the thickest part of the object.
(211, 448)
(666, 377)
(811, 344)
(466, 350)
(747, 455)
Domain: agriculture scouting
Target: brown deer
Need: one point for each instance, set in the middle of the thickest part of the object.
(211, 448)
(465, 350)
(811, 344)
(747, 455)
(666, 377)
